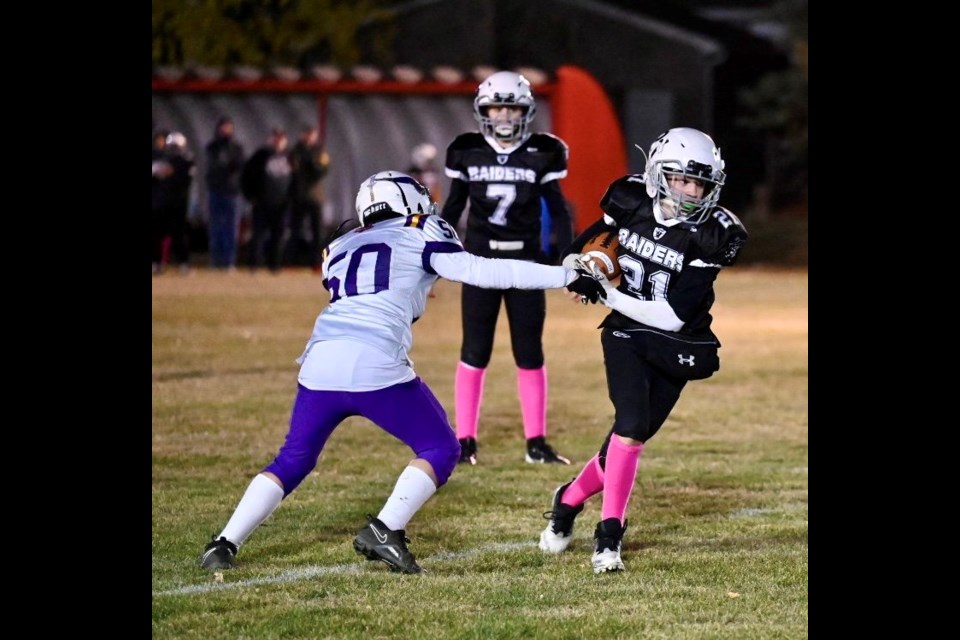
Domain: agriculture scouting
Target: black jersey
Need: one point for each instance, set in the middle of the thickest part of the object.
(678, 263)
(505, 187)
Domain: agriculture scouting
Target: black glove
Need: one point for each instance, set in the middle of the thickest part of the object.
(586, 286)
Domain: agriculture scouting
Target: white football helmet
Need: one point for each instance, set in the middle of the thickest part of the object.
(392, 191)
(692, 154)
(505, 88)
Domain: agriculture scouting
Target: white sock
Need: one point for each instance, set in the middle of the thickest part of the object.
(261, 498)
(413, 489)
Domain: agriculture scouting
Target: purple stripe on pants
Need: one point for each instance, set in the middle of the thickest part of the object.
(408, 411)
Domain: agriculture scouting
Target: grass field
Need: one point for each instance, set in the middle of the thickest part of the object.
(717, 542)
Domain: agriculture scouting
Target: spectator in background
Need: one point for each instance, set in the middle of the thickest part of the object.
(424, 168)
(266, 180)
(309, 163)
(225, 158)
(161, 172)
(173, 171)
(184, 169)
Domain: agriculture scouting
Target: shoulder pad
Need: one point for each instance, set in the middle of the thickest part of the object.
(723, 235)
(469, 140)
(547, 142)
(624, 196)
(436, 228)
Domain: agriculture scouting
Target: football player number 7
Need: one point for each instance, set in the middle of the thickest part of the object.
(506, 194)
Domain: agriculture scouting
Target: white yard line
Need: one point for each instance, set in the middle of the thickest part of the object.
(306, 573)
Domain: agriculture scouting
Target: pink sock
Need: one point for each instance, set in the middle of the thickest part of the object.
(532, 388)
(621, 471)
(588, 484)
(468, 391)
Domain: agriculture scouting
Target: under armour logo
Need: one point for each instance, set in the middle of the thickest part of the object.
(683, 360)
(621, 334)
(502, 159)
(659, 233)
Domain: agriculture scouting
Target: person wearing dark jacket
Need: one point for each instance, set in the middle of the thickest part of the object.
(224, 159)
(265, 181)
(309, 163)
(173, 171)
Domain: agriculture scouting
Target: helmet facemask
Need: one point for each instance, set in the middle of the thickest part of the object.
(505, 89)
(504, 128)
(683, 206)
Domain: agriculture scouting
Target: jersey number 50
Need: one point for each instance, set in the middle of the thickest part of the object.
(373, 273)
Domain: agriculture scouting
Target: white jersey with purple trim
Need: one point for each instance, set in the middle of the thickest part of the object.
(379, 277)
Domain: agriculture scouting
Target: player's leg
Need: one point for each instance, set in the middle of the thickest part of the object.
(568, 501)
(526, 313)
(479, 309)
(315, 415)
(422, 426)
(642, 398)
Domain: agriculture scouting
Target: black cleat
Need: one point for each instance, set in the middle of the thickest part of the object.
(608, 537)
(468, 451)
(218, 554)
(556, 537)
(376, 542)
(538, 451)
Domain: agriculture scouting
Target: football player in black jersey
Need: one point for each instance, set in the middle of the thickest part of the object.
(503, 171)
(674, 239)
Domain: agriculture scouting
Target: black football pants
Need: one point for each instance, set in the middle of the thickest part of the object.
(526, 313)
(642, 396)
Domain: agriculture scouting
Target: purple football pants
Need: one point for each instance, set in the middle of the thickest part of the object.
(408, 411)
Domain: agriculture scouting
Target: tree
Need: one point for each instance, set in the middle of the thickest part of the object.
(220, 33)
(777, 106)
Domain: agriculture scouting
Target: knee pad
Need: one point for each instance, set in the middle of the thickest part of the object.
(529, 358)
(291, 471)
(476, 358)
(443, 458)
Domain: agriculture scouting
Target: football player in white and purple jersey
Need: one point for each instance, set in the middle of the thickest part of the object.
(356, 362)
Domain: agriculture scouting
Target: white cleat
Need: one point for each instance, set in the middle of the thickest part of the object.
(559, 532)
(552, 542)
(608, 539)
(607, 560)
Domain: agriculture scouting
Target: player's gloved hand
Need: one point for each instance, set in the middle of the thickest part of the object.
(571, 261)
(587, 287)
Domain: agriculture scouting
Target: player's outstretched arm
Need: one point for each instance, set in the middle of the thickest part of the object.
(500, 273)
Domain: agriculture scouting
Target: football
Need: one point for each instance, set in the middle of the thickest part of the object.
(602, 251)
